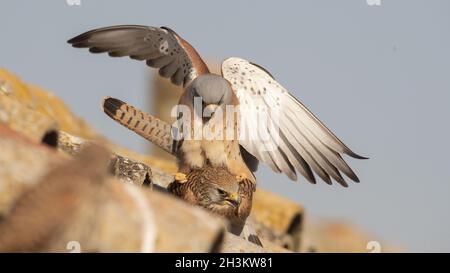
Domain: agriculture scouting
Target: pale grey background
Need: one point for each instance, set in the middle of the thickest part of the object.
(377, 76)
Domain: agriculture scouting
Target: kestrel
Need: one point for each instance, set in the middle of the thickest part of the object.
(213, 188)
(292, 138)
(219, 191)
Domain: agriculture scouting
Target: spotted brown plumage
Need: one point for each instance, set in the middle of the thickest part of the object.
(217, 190)
(293, 139)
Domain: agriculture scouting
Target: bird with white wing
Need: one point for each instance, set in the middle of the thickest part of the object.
(290, 139)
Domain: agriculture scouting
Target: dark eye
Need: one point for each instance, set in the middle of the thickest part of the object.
(221, 192)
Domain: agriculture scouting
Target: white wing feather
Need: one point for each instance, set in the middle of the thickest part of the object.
(296, 140)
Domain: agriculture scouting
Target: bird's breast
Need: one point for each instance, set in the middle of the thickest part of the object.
(197, 153)
(215, 152)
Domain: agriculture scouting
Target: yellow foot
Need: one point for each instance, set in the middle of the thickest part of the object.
(180, 177)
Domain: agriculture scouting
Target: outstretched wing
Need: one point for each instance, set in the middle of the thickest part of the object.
(289, 137)
(160, 47)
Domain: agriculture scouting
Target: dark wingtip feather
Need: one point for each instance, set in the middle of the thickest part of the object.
(310, 175)
(355, 155)
(95, 50)
(353, 177)
(311, 178)
(111, 105)
(77, 39)
(340, 180)
(326, 180)
(71, 41)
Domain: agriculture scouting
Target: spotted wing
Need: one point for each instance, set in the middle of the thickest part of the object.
(280, 131)
(160, 47)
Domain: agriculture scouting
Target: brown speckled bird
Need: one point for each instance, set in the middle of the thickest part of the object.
(217, 190)
(213, 188)
(297, 140)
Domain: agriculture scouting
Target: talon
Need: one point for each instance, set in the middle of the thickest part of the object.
(180, 177)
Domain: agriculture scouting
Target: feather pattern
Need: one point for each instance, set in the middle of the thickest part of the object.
(160, 47)
(145, 125)
(289, 137)
(277, 128)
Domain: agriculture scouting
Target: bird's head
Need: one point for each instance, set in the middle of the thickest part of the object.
(214, 92)
(226, 196)
(219, 191)
(224, 200)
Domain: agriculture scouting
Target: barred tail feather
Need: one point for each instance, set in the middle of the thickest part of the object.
(145, 125)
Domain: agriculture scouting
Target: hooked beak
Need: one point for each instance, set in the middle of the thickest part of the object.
(233, 199)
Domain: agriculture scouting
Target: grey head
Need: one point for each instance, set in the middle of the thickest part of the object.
(213, 89)
(214, 92)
